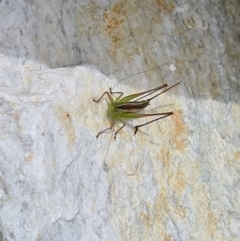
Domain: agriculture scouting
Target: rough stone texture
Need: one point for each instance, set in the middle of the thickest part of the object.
(177, 179)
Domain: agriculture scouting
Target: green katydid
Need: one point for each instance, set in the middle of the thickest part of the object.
(128, 107)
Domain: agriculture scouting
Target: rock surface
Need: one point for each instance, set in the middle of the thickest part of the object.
(177, 179)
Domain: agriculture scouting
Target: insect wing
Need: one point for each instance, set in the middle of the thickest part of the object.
(132, 106)
(148, 92)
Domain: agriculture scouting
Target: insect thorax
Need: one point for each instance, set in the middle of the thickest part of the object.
(111, 108)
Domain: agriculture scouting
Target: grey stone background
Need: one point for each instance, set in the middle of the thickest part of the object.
(177, 179)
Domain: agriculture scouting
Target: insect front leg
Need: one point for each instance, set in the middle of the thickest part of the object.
(109, 128)
(105, 93)
(119, 129)
(163, 115)
(113, 93)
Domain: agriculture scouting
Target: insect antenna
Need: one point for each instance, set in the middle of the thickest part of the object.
(138, 74)
(104, 160)
(159, 93)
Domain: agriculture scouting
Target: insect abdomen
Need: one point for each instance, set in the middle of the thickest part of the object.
(133, 106)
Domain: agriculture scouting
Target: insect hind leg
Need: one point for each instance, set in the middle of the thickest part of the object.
(164, 115)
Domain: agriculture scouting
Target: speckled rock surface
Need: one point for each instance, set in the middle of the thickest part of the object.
(177, 179)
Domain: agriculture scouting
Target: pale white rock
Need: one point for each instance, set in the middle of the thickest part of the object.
(55, 173)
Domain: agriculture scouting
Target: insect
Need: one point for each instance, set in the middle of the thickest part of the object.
(121, 108)
(128, 107)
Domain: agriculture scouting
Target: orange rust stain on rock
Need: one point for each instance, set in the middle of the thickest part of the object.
(64, 118)
(167, 237)
(211, 223)
(167, 5)
(29, 157)
(164, 200)
(236, 157)
(112, 22)
(179, 131)
(180, 183)
(147, 220)
(155, 222)
(181, 212)
(166, 156)
(113, 19)
(234, 162)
